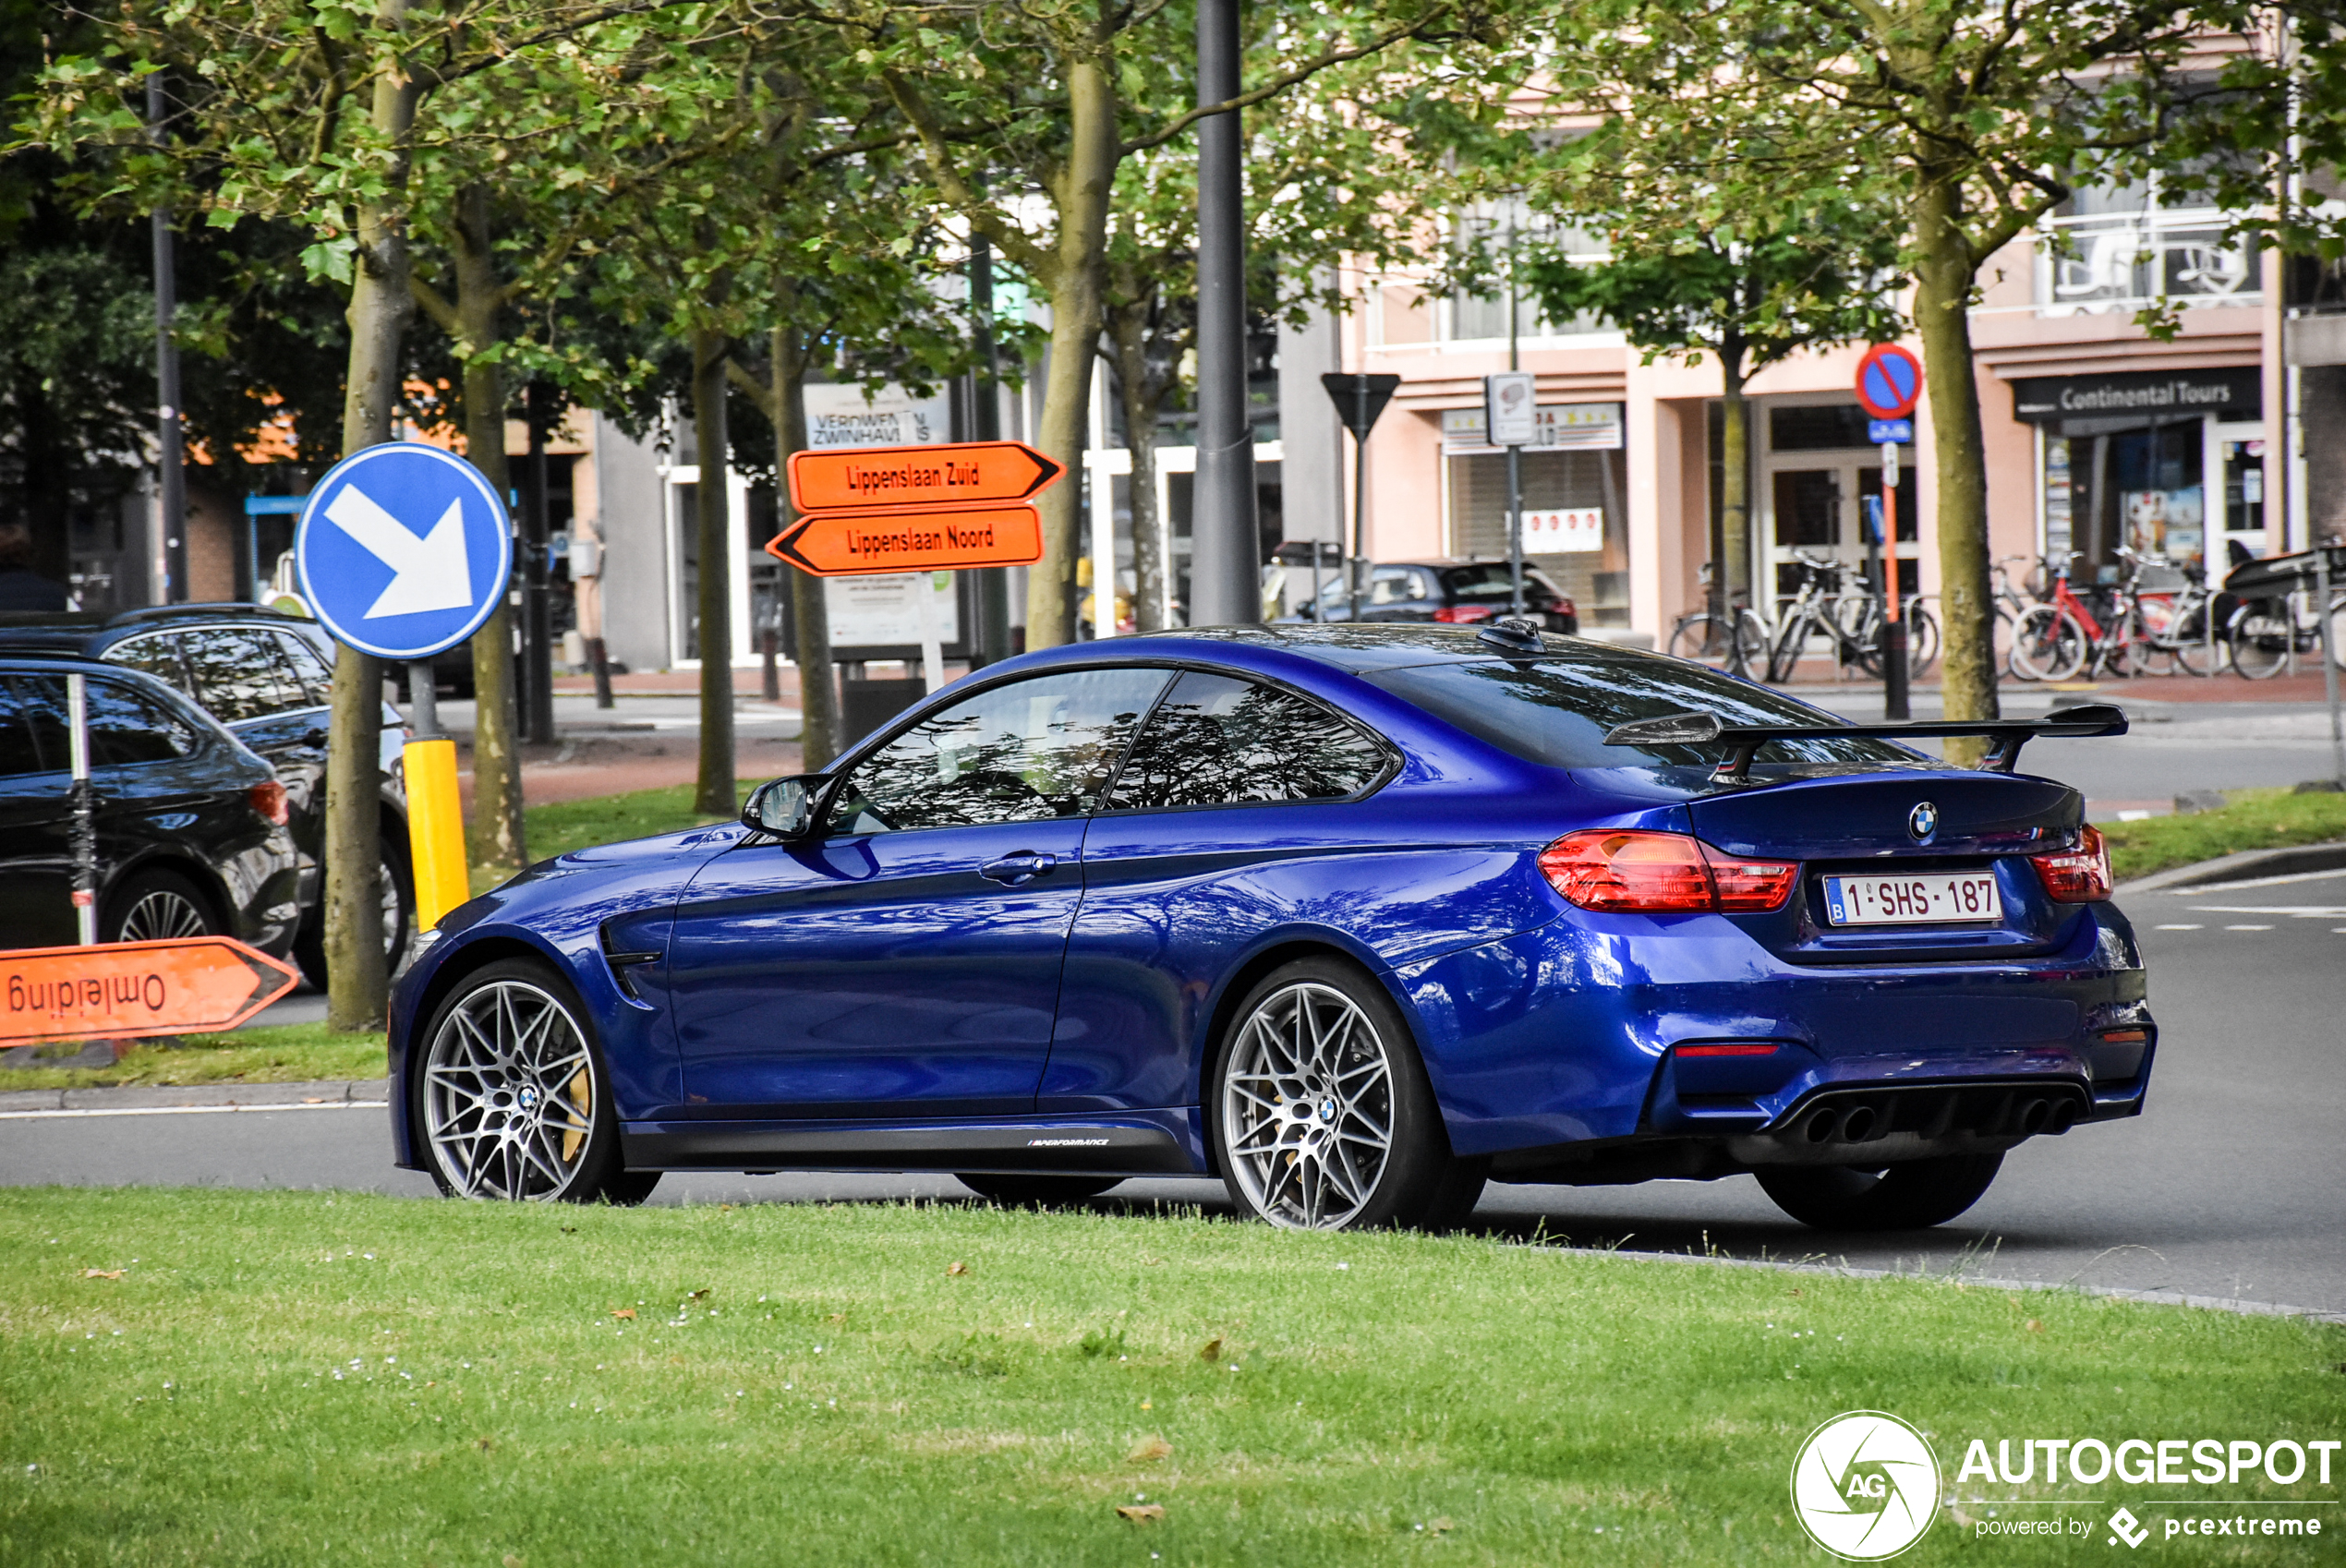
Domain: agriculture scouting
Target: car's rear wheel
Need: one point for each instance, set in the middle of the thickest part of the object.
(514, 1098)
(1322, 1116)
(1040, 1190)
(1911, 1196)
(157, 906)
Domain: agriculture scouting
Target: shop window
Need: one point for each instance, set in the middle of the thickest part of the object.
(1827, 427)
(1587, 484)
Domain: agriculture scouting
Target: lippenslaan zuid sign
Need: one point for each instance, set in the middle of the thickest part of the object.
(2235, 394)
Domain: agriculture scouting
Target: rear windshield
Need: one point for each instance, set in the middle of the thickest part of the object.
(1490, 580)
(1557, 712)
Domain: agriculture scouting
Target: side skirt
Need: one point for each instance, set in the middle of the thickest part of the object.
(1149, 1143)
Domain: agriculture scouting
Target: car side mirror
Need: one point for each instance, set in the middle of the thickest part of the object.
(785, 807)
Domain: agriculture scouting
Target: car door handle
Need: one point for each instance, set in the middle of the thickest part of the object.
(1022, 866)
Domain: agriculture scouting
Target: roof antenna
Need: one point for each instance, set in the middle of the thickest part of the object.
(1516, 634)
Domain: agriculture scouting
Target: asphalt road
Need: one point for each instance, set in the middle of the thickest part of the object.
(2232, 1184)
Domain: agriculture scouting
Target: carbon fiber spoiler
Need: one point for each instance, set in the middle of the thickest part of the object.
(1744, 740)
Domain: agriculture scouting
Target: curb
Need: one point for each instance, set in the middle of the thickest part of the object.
(2113, 1293)
(2291, 861)
(195, 1097)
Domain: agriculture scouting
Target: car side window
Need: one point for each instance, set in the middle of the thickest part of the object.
(309, 666)
(130, 727)
(1391, 586)
(1026, 751)
(241, 673)
(47, 715)
(1218, 740)
(19, 755)
(158, 655)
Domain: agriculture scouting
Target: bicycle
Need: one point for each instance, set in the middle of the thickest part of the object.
(1814, 611)
(2262, 633)
(1701, 635)
(2056, 639)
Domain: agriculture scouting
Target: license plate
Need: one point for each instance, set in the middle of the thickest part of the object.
(1935, 900)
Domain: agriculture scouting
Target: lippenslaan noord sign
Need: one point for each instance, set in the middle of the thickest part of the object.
(402, 549)
(876, 510)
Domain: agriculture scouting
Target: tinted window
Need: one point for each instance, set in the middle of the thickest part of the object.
(18, 754)
(130, 727)
(241, 673)
(159, 656)
(43, 698)
(1218, 740)
(1557, 711)
(1490, 580)
(309, 666)
(1022, 752)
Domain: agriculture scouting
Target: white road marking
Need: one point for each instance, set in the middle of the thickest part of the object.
(2180, 928)
(2295, 911)
(193, 1110)
(2248, 928)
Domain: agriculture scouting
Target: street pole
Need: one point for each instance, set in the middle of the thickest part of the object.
(1226, 573)
(992, 599)
(1893, 628)
(1360, 493)
(536, 609)
(171, 491)
(82, 832)
(1515, 452)
(2330, 661)
(435, 816)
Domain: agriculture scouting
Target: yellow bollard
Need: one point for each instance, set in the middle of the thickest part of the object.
(435, 829)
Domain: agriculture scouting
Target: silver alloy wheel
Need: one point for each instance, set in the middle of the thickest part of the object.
(509, 1094)
(388, 887)
(1307, 1108)
(165, 915)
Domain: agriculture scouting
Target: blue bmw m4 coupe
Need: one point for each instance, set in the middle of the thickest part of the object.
(1352, 918)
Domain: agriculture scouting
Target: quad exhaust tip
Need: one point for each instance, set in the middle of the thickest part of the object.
(1864, 1121)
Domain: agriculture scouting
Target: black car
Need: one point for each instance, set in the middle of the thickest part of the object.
(268, 678)
(1451, 593)
(192, 829)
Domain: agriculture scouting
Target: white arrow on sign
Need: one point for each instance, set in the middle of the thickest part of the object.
(431, 573)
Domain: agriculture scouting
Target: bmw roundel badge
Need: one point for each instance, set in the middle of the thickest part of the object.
(1922, 823)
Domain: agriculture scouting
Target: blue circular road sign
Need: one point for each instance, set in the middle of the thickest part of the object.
(403, 549)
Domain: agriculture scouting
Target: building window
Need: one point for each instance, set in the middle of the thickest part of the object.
(2120, 248)
(1578, 495)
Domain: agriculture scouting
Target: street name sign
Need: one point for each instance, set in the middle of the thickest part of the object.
(851, 544)
(1889, 381)
(896, 477)
(121, 990)
(1879, 432)
(1510, 417)
(402, 549)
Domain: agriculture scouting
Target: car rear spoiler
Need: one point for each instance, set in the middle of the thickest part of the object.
(1744, 740)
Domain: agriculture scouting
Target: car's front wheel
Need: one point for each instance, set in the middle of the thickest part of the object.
(1911, 1196)
(1322, 1116)
(513, 1095)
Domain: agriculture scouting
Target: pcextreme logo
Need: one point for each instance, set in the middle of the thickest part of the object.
(1865, 1486)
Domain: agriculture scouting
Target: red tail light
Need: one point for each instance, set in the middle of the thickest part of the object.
(1620, 870)
(2080, 876)
(1463, 614)
(269, 800)
(1754, 1048)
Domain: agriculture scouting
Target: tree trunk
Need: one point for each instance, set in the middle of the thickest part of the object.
(494, 838)
(1077, 284)
(380, 306)
(818, 697)
(1128, 329)
(1967, 612)
(715, 794)
(1733, 586)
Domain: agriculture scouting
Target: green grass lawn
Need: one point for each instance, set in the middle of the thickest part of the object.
(293, 1378)
(293, 1053)
(573, 824)
(2253, 819)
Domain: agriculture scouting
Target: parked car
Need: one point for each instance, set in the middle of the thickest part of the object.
(1448, 593)
(192, 835)
(1355, 918)
(267, 678)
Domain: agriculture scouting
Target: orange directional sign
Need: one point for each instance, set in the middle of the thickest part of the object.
(961, 473)
(855, 544)
(117, 989)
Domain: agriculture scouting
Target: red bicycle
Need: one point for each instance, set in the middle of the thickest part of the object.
(2056, 639)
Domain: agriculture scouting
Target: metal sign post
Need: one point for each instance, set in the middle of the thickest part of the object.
(1358, 400)
(1511, 419)
(83, 833)
(2330, 661)
(403, 550)
(1888, 385)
